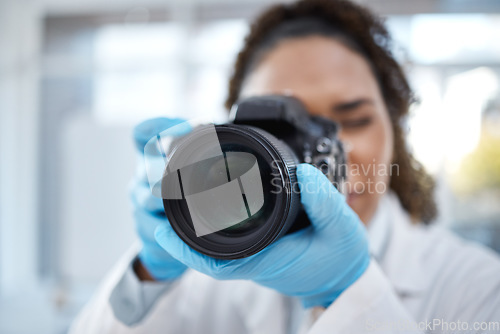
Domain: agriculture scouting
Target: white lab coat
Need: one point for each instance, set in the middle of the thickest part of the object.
(420, 279)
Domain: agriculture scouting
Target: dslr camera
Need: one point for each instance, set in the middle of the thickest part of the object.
(230, 190)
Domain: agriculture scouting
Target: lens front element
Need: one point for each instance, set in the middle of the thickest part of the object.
(224, 205)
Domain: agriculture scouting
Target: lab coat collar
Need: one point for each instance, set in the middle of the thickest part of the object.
(394, 245)
(379, 227)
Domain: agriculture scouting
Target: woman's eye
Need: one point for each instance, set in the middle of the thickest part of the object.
(356, 123)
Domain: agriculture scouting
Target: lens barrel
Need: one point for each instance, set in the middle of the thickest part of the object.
(277, 212)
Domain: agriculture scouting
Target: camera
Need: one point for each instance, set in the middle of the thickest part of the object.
(230, 190)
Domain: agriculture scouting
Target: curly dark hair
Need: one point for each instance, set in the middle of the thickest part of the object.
(364, 32)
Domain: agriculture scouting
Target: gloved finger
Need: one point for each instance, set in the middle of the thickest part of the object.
(154, 255)
(273, 260)
(146, 224)
(160, 264)
(170, 241)
(321, 200)
(153, 138)
(142, 197)
(152, 127)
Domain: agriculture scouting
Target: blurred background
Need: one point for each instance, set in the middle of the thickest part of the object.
(76, 75)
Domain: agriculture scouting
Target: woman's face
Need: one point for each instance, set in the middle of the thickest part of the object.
(337, 83)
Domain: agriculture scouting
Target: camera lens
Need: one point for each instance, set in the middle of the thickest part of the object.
(260, 170)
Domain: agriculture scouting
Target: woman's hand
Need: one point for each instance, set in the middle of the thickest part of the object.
(155, 263)
(315, 264)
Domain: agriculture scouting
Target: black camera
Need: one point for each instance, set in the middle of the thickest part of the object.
(230, 190)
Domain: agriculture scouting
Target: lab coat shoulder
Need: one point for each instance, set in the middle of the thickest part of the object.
(466, 276)
(438, 275)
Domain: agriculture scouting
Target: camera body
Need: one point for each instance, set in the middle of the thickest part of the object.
(313, 139)
(220, 189)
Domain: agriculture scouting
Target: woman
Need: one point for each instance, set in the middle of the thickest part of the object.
(400, 276)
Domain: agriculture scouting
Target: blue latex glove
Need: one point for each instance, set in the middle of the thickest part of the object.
(148, 209)
(315, 264)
